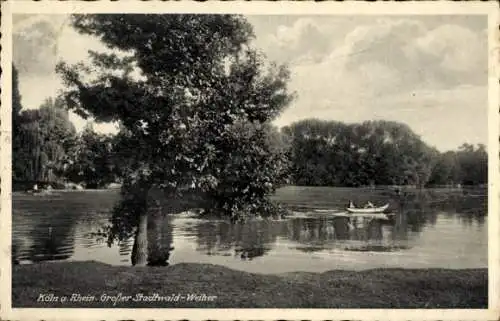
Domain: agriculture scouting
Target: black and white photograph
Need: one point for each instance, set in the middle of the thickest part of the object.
(265, 159)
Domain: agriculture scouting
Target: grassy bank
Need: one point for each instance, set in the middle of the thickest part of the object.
(380, 288)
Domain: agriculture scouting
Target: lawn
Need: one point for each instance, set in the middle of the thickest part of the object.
(95, 284)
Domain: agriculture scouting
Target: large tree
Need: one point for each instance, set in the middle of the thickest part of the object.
(193, 100)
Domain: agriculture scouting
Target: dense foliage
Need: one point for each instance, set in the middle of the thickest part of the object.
(47, 150)
(42, 138)
(253, 165)
(16, 110)
(466, 166)
(329, 153)
(16, 100)
(90, 160)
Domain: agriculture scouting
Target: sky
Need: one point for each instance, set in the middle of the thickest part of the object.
(429, 72)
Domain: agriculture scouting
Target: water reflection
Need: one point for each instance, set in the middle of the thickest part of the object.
(256, 238)
(52, 243)
(49, 229)
(244, 240)
(125, 248)
(160, 239)
(45, 240)
(62, 230)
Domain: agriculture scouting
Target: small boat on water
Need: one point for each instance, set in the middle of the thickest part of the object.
(367, 210)
(379, 213)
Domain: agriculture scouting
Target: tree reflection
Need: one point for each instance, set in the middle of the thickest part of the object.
(52, 242)
(45, 228)
(44, 233)
(246, 240)
(341, 228)
(160, 240)
(159, 234)
(374, 230)
(469, 205)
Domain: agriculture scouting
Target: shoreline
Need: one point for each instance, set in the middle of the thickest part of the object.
(97, 285)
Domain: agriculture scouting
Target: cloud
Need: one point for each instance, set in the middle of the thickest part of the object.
(39, 43)
(304, 40)
(385, 43)
(444, 57)
(419, 55)
(34, 46)
(457, 49)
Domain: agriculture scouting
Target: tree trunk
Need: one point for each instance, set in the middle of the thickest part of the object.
(149, 223)
(158, 252)
(140, 248)
(158, 204)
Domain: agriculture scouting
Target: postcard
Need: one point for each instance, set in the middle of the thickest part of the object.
(250, 160)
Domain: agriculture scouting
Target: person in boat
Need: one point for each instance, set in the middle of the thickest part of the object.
(369, 205)
(351, 204)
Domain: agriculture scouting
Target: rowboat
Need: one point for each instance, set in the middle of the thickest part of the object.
(368, 210)
(376, 216)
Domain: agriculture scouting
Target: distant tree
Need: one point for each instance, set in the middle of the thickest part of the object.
(330, 153)
(482, 164)
(43, 137)
(446, 171)
(16, 110)
(16, 99)
(473, 164)
(193, 121)
(90, 161)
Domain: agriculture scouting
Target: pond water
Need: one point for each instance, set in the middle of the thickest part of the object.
(430, 229)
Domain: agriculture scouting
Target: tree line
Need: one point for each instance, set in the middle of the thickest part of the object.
(310, 152)
(329, 153)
